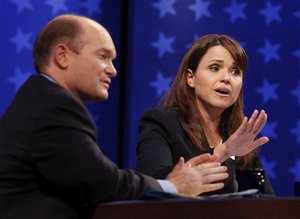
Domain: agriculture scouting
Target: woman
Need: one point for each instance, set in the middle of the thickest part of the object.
(203, 112)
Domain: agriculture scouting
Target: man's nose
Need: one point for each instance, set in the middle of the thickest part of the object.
(111, 70)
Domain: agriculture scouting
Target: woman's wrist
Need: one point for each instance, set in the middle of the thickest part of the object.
(221, 153)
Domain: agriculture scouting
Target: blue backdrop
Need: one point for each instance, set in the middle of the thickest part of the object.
(151, 37)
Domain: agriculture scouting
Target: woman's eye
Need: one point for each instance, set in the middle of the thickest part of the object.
(235, 72)
(214, 68)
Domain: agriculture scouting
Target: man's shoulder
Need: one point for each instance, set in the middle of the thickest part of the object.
(45, 92)
(50, 104)
(38, 95)
(46, 87)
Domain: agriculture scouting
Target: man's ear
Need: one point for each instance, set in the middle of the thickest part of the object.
(61, 55)
(190, 78)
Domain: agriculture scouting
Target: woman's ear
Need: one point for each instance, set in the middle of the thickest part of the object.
(190, 78)
(61, 55)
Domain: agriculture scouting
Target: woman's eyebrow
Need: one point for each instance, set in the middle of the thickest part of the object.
(216, 60)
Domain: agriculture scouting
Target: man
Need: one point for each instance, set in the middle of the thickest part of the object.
(50, 163)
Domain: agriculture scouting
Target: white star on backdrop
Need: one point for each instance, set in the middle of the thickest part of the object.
(19, 78)
(22, 5)
(164, 7)
(270, 51)
(236, 11)
(161, 84)
(271, 12)
(92, 6)
(57, 6)
(200, 8)
(21, 40)
(268, 91)
(163, 44)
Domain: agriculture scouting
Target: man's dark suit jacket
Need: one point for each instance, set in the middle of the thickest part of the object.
(162, 141)
(50, 163)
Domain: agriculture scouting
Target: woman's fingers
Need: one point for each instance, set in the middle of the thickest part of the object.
(254, 125)
(251, 121)
(260, 123)
(260, 141)
(242, 127)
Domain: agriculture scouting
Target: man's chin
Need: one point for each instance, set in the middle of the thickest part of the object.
(103, 97)
(95, 98)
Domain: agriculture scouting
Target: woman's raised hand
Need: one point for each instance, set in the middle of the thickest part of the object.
(244, 139)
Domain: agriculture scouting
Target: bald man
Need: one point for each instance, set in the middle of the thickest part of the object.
(50, 163)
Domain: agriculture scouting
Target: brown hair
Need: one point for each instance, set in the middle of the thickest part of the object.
(182, 97)
(63, 29)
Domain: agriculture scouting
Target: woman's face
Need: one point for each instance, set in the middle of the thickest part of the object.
(217, 81)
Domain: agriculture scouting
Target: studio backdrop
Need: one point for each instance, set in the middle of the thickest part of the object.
(151, 37)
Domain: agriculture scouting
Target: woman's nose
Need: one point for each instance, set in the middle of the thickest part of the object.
(226, 76)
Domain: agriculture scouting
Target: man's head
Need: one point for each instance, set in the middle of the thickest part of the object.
(77, 52)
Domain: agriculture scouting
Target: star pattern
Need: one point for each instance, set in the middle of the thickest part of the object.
(269, 167)
(296, 53)
(295, 131)
(269, 130)
(295, 170)
(92, 7)
(163, 44)
(21, 40)
(296, 93)
(236, 10)
(271, 12)
(57, 6)
(18, 79)
(22, 5)
(161, 84)
(201, 9)
(165, 7)
(268, 91)
(196, 36)
(297, 14)
(270, 51)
